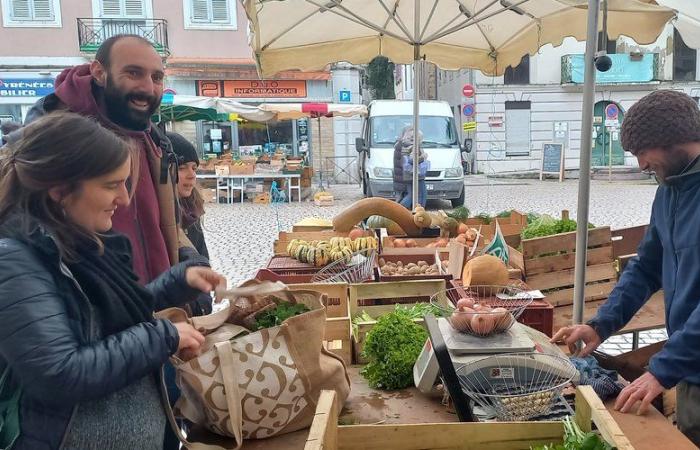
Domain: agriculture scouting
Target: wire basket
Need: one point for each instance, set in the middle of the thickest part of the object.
(356, 268)
(481, 310)
(516, 386)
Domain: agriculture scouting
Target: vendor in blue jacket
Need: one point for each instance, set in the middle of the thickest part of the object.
(663, 131)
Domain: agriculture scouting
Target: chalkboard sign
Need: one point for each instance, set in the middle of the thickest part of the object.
(552, 159)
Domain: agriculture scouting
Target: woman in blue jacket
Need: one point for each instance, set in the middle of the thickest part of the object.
(78, 335)
(403, 169)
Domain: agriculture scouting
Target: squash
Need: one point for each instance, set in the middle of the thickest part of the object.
(485, 270)
(362, 209)
(422, 219)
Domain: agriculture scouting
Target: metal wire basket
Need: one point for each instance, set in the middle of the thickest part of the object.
(356, 268)
(489, 309)
(516, 386)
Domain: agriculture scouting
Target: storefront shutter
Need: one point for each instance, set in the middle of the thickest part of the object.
(219, 9)
(135, 8)
(21, 10)
(43, 10)
(111, 8)
(200, 11)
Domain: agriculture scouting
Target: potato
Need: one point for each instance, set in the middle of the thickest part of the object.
(382, 262)
(415, 270)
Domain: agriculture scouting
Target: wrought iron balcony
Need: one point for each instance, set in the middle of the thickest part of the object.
(93, 32)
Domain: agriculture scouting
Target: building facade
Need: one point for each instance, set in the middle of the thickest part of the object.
(205, 46)
(509, 118)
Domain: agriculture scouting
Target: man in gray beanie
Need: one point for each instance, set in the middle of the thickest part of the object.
(663, 131)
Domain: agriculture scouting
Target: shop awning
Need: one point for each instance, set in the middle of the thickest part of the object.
(207, 105)
(286, 111)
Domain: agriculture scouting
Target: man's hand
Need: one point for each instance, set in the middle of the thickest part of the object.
(571, 335)
(203, 279)
(645, 389)
(190, 341)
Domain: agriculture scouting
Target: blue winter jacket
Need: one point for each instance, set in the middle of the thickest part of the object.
(669, 258)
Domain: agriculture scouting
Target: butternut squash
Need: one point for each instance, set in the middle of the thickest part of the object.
(485, 270)
(361, 209)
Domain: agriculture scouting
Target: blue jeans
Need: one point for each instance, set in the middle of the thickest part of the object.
(407, 201)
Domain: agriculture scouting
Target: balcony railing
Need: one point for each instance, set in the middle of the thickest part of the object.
(93, 32)
(626, 68)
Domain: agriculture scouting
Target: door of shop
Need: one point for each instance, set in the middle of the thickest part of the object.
(605, 134)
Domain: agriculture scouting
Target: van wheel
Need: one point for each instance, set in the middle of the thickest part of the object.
(459, 201)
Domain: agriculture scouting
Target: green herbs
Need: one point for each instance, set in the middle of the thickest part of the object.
(546, 225)
(276, 316)
(392, 348)
(575, 439)
(416, 311)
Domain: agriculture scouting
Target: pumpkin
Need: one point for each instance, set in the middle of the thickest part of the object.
(485, 270)
(362, 209)
(422, 219)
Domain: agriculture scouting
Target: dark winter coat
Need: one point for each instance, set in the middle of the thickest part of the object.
(56, 368)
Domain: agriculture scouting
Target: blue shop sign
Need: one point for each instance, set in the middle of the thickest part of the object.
(26, 87)
(625, 69)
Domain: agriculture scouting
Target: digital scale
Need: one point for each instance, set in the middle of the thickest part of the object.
(447, 350)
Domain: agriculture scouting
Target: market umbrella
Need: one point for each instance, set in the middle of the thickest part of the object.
(488, 35)
(219, 105)
(286, 111)
(687, 21)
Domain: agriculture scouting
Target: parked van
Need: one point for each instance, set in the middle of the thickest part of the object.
(381, 129)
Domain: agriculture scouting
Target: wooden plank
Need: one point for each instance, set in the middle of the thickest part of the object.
(626, 240)
(598, 291)
(650, 316)
(565, 278)
(323, 434)
(560, 262)
(589, 408)
(337, 337)
(391, 289)
(564, 242)
(337, 296)
(462, 436)
(516, 259)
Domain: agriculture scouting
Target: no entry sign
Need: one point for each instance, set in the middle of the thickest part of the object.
(468, 90)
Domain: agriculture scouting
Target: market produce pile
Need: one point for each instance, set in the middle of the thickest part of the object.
(320, 253)
(575, 439)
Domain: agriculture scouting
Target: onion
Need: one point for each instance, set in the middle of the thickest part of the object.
(461, 319)
(482, 324)
(502, 318)
(465, 301)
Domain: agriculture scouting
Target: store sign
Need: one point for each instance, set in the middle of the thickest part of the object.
(624, 69)
(252, 88)
(26, 87)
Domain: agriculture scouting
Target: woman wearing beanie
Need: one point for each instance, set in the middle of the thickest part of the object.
(191, 201)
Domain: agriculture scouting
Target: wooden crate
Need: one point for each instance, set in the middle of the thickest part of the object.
(420, 248)
(381, 298)
(431, 258)
(548, 263)
(510, 226)
(337, 338)
(262, 198)
(337, 296)
(326, 434)
(280, 244)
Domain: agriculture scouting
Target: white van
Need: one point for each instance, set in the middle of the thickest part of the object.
(382, 128)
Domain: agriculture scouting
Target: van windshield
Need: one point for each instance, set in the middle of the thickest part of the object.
(438, 131)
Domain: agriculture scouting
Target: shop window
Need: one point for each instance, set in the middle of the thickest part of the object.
(31, 13)
(519, 74)
(517, 128)
(270, 136)
(684, 59)
(210, 14)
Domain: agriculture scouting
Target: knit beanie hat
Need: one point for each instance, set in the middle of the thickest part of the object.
(661, 119)
(183, 149)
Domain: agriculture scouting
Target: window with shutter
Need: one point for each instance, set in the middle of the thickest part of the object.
(111, 8)
(210, 14)
(123, 9)
(31, 13)
(134, 8)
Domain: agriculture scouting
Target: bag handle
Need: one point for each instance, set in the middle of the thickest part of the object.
(230, 375)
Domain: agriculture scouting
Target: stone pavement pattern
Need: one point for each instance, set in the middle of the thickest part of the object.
(240, 236)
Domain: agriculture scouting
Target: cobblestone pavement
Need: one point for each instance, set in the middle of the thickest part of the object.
(240, 236)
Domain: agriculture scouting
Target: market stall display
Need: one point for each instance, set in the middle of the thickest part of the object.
(355, 268)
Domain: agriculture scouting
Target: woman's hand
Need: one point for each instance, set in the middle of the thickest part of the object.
(204, 279)
(190, 341)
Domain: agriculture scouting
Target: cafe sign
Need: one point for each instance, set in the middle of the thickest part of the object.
(252, 88)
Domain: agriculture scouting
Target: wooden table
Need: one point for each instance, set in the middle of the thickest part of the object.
(237, 182)
(651, 316)
(369, 406)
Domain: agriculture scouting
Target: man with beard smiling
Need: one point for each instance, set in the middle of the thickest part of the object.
(663, 131)
(122, 88)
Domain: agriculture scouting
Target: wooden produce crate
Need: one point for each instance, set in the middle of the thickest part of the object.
(547, 264)
(281, 264)
(510, 226)
(285, 277)
(421, 248)
(285, 237)
(430, 258)
(326, 434)
(381, 298)
(262, 198)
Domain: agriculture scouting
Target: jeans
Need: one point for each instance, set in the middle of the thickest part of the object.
(407, 200)
(171, 442)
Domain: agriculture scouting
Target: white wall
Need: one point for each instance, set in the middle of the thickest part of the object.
(346, 129)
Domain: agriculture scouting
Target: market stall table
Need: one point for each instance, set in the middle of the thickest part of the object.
(237, 182)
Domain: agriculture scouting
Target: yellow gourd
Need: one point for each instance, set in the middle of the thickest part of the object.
(485, 270)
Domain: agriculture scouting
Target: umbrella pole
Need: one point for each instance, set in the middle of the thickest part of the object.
(584, 181)
(416, 100)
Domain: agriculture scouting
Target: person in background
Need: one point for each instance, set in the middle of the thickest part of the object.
(191, 201)
(403, 169)
(78, 334)
(663, 131)
(121, 89)
(6, 128)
